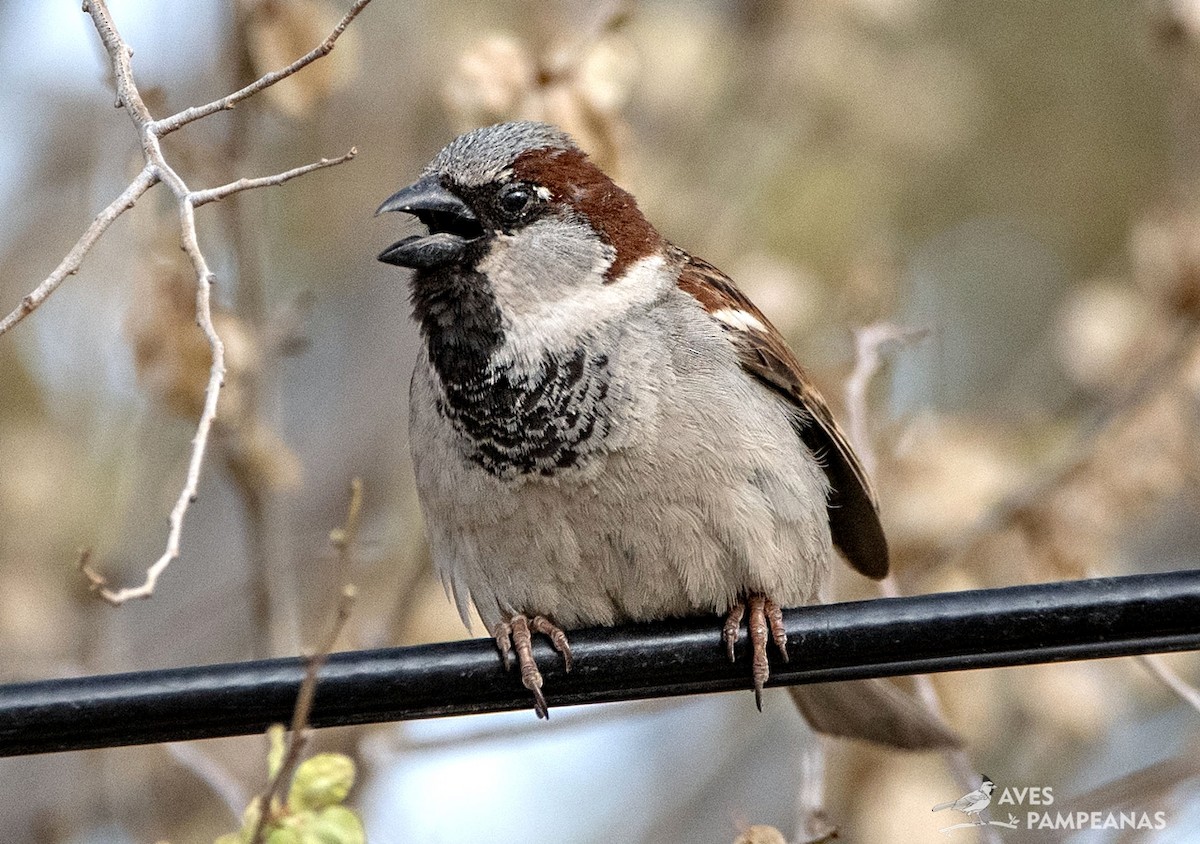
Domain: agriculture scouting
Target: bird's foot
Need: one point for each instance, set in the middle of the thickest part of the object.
(516, 634)
(766, 617)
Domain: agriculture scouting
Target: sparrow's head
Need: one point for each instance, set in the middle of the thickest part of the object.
(520, 198)
(987, 786)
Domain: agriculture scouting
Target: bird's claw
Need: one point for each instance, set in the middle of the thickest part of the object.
(517, 634)
(766, 618)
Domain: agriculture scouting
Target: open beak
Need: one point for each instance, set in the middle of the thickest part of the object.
(452, 226)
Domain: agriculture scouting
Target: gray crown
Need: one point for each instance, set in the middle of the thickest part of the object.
(479, 156)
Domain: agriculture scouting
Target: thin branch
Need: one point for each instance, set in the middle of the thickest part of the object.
(158, 169)
(95, 580)
(119, 55)
(169, 124)
(342, 539)
(1012, 823)
(868, 346)
(74, 259)
(211, 773)
(203, 197)
(1157, 666)
(216, 379)
(869, 343)
(298, 734)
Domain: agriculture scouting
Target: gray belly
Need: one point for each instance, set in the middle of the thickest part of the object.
(677, 508)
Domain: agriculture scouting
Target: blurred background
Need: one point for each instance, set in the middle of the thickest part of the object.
(1017, 183)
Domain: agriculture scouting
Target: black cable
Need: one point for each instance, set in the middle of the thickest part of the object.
(1053, 622)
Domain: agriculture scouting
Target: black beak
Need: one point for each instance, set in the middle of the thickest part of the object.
(451, 222)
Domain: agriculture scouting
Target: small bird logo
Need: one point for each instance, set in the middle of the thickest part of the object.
(973, 802)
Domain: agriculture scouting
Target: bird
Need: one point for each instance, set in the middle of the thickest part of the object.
(973, 802)
(605, 429)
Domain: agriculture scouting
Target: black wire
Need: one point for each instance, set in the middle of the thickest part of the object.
(1052, 622)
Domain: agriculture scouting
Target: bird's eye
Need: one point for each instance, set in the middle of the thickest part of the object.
(514, 200)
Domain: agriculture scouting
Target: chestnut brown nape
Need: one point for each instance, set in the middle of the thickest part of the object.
(575, 181)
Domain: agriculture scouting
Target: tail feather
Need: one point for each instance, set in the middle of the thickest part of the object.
(873, 710)
(941, 806)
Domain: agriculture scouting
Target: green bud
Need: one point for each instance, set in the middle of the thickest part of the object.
(277, 737)
(284, 835)
(333, 825)
(323, 780)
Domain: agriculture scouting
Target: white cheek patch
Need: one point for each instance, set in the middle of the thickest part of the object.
(543, 192)
(558, 324)
(739, 319)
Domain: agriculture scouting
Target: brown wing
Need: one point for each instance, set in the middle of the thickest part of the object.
(853, 510)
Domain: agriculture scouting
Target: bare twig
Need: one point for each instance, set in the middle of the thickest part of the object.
(71, 263)
(812, 824)
(869, 343)
(157, 169)
(1157, 666)
(342, 539)
(211, 773)
(95, 580)
(298, 732)
(1012, 823)
(868, 347)
(169, 124)
(203, 197)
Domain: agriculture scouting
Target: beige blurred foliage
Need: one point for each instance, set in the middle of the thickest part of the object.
(1165, 249)
(1137, 462)
(943, 474)
(1106, 332)
(277, 32)
(579, 85)
(918, 97)
(172, 359)
(760, 834)
(1072, 519)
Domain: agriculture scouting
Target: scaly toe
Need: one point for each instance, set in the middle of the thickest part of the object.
(556, 636)
(733, 623)
(502, 633)
(778, 631)
(516, 634)
(756, 627)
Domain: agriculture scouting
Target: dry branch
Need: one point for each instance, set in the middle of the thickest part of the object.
(869, 343)
(158, 169)
(868, 357)
(342, 539)
(169, 124)
(203, 197)
(71, 263)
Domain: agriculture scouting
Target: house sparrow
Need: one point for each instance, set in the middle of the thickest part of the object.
(605, 429)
